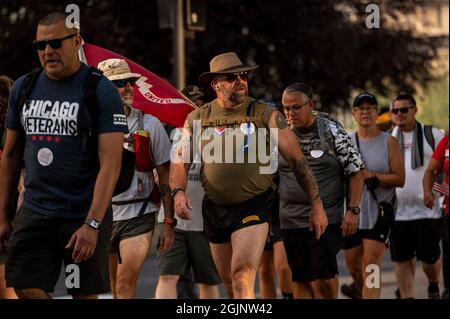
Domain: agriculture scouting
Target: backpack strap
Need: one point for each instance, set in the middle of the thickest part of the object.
(25, 89)
(428, 131)
(90, 109)
(325, 135)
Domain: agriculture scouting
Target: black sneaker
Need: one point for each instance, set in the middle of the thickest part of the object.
(433, 291)
(397, 294)
(351, 291)
(445, 294)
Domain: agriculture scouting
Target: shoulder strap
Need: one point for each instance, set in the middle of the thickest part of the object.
(428, 131)
(325, 135)
(90, 110)
(25, 90)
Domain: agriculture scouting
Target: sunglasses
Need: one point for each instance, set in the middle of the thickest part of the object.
(402, 110)
(53, 43)
(231, 77)
(123, 83)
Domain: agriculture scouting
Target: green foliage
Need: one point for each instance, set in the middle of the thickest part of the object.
(433, 104)
(323, 43)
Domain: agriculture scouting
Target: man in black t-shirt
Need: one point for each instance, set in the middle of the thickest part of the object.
(66, 213)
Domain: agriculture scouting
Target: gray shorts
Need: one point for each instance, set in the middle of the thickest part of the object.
(190, 249)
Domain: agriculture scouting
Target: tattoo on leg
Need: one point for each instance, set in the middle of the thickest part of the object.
(306, 179)
(280, 120)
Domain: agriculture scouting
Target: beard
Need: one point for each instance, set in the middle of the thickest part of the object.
(236, 97)
(127, 100)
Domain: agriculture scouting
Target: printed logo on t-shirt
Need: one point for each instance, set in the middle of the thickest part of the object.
(44, 117)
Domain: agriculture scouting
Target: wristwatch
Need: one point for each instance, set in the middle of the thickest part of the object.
(176, 190)
(92, 222)
(354, 210)
(170, 221)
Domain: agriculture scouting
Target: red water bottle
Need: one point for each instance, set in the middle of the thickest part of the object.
(144, 162)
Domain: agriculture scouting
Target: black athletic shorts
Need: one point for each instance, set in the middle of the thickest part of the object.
(221, 221)
(123, 229)
(416, 238)
(309, 258)
(380, 234)
(36, 250)
(275, 229)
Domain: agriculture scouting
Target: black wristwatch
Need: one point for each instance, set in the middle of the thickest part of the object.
(354, 210)
(170, 221)
(176, 190)
(93, 223)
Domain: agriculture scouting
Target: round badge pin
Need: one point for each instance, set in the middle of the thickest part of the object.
(247, 129)
(316, 153)
(45, 156)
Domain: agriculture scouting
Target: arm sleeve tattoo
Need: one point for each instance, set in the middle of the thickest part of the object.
(306, 179)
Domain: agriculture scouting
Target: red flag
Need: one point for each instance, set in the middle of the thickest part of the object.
(152, 94)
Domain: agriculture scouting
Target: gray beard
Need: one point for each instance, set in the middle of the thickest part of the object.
(237, 98)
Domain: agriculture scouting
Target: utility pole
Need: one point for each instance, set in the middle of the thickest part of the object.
(178, 44)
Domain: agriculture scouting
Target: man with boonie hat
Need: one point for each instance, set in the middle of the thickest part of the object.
(238, 194)
(134, 210)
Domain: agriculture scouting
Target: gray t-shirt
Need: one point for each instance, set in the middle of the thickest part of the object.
(375, 154)
(328, 170)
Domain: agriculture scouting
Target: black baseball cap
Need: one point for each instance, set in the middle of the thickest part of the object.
(192, 92)
(364, 98)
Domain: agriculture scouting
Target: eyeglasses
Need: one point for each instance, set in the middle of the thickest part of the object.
(231, 77)
(402, 110)
(53, 43)
(123, 83)
(295, 108)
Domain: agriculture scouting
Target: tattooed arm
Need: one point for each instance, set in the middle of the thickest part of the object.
(290, 149)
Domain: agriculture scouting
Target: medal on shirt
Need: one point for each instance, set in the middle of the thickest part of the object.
(316, 153)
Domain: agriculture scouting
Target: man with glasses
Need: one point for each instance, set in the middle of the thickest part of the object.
(71, 173)
(331, 156)
(417, 229)
(134, 211)
(238, 195)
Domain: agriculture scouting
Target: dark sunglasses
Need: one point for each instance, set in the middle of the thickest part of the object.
(402, 110)
(231, 77)
(123, 83)
(53, 43)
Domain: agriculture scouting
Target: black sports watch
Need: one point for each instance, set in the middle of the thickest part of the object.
(93, 223)
(176, 190)
(170, 221)
(354, 210)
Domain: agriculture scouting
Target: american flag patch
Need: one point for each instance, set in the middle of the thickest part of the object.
(119, 119)
(441, 188)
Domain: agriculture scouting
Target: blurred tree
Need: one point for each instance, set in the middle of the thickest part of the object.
(323, 43)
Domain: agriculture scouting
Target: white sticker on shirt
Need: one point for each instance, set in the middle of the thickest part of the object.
(247, 129)
(45, 156)
(316, 153)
